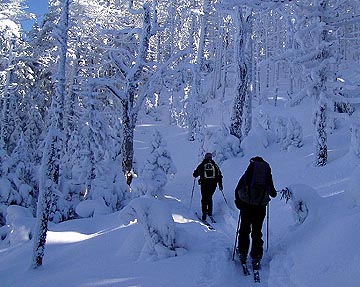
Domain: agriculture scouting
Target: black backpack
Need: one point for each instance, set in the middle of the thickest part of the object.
(209, 170)
(256, 190)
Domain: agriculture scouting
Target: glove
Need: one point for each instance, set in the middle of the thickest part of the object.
(221, 187)
(273, 194)
(194, 175)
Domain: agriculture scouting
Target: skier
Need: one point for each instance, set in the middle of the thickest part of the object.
(251, 197)
(210, 176)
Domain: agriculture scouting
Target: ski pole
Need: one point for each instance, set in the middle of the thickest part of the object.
(192, 193)
(236, 236)
(267, 227)
(224, 197)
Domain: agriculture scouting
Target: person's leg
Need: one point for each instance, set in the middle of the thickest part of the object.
(210, 200)
(204, 201)
(258, 216)
(203, 207)
(244, 235)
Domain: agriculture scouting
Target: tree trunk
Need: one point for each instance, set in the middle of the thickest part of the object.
(321, 136)
(51, 167)
(47, 190)
(242, 104)
(127, 145)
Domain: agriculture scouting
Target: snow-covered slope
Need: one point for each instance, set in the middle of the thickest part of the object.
(122, 249)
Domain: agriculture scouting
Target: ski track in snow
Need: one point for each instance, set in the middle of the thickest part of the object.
(219, 269)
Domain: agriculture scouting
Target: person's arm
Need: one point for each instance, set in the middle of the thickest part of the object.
(196, 172)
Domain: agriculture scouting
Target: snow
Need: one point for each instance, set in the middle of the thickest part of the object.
(160, 242)
(157, 240)
(10, 26)
(20, 221)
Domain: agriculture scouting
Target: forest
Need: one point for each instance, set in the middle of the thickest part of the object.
(75, 86)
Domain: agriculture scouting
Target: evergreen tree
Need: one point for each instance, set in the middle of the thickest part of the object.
(11, 72)
(156, 169)
(19, 125)
(294, 134)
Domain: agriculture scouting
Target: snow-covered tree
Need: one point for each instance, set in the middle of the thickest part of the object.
(158, 166)
(221, 144)
(19, 125)
(98, 173)
(280, 129)
(241, 119)
(196, 114)
(13, 72)
(294, 134)
(318, 45)
(137, 78)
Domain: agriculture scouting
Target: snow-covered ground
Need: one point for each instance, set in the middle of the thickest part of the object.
(119, 250)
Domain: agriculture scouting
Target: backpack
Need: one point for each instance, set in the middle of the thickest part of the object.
(255, 190)
(209, 171)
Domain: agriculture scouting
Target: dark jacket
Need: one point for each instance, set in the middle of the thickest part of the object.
(199, 171)
(244, 185)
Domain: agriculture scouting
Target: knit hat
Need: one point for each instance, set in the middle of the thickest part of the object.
(208, 155)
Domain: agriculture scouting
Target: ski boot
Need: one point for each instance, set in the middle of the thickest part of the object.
(256, 264)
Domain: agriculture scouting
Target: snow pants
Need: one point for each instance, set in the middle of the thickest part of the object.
(252, 219)
(207, 192)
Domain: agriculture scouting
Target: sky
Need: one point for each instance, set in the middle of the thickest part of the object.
(38, 7)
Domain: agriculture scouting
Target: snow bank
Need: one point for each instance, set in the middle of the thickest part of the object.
(257, 140)
(19, 225)
(320, 246)
(91, 207)
(158, 224)
(353, 187)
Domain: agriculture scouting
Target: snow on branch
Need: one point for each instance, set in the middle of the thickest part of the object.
(256, 4)
(158, 74)
(303, 199)
(119, 61)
